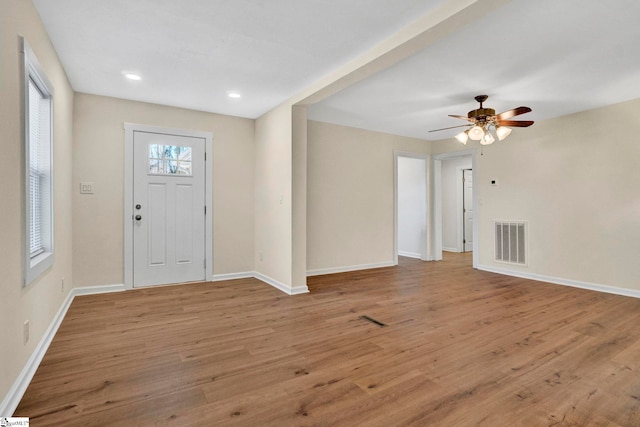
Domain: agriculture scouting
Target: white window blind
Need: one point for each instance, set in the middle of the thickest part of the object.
(39, 133)
(38, 146)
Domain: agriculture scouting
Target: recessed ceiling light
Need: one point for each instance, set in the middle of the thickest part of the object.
(234, 95)
(132, 76)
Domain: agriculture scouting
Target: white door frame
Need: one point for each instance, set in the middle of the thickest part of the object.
(425, 247)
(459, 209)
(129, 129)
(460, 215)
(437, 201)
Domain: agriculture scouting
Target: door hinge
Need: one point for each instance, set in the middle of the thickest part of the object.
(464, 241)
(205, 210)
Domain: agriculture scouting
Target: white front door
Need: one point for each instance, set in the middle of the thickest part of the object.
(467, 201)
(168, 208)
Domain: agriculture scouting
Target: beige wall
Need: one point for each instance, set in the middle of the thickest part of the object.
(574, 179)
(273, 195)
(280, 197)
(350, 198)
(39, 301)
(299, 196)
(99, 157)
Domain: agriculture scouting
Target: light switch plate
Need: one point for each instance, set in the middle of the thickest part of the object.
(86, 188)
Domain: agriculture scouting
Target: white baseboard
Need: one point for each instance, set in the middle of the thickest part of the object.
(410, 254)
(451, 250)
(281, 286)
(17, 390)
(565, 282)
(266, 279)
(13, 397)
(347, 268)
(94, 290)
(232, 276)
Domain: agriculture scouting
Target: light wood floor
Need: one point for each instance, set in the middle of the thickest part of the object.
(462, 348)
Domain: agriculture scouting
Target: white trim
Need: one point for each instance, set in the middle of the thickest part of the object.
(457, 250)
(410, 254)
(436, 203)
(565, 282)
(281, 286)
(233, 276)
(129, 129)
(347, 268)
(128, 201)
(263, 278)
(17, 390)
(32, 70)
(208, 202)
(95, 290)
(460, 236)
(459, 208)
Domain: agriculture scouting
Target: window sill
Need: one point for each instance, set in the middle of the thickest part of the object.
(37, 266)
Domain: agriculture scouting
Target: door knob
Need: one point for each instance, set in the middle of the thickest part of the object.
(138, 217)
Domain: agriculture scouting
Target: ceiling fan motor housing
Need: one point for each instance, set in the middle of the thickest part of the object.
(481, 114)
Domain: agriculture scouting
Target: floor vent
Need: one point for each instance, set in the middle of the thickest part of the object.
(511, 242)
(374, 321)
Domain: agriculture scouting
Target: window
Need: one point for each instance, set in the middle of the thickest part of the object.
(169, 160)
(38, 149)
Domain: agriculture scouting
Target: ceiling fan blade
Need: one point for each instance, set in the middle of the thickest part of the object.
(513, 113)
(515, 123)
(452, 127)
(455, 116)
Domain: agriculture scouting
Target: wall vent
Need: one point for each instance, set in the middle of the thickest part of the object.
(511, 242)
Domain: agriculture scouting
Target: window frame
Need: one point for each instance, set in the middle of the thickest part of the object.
(35, 266)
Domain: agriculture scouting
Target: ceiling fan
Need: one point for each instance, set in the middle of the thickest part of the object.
(482, 120)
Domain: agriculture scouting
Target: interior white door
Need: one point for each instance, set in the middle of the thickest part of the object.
(168, 209)
(467, 201)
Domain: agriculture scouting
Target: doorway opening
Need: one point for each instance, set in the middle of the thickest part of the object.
(411, 206)
(455, 204)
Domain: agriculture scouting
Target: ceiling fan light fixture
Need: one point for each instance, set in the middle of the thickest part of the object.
(487, 139)
(476, 133)
(502, 132)
(483, 120)
(463, 136)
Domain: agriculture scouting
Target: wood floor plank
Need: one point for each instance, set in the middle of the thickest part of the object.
(460, 347)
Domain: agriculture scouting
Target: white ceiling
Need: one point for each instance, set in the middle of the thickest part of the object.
(190, 53)
(557, 57)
